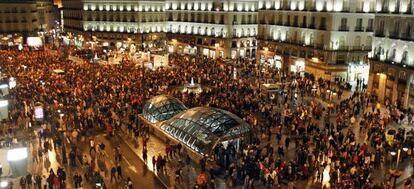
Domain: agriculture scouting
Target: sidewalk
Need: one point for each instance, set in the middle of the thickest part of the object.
(155, 147)
(190, 170)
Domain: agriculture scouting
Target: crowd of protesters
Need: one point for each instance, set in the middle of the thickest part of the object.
(296, 135)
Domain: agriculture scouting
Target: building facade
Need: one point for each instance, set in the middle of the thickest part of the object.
(225, 29)
(327, 38)
(26, 16)
(213, 28)
(392, 58)
(117, 21)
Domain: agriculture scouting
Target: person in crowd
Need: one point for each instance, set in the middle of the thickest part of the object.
(301, 132)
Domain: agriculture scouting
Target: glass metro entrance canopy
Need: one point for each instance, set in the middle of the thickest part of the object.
(202, 128)
(162, 107)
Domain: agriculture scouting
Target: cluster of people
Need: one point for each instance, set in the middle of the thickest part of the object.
(296, 136)
(54, 180)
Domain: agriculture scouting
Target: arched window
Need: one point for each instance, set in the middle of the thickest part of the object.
(391, 54)
(378, 51)
(404, 58)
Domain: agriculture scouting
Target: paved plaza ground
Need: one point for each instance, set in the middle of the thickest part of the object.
(113, 118)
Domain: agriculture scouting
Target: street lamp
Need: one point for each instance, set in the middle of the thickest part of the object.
(395, 173)
(405, 149)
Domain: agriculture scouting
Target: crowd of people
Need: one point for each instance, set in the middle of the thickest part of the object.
(300, 132)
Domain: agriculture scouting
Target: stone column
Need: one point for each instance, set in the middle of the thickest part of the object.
(371, 77)
(382, 81)
(407, 91)
(394, 93)
(226, 48)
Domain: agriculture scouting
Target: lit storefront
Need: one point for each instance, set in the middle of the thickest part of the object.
(275, 61)
(358, 71)
(298, 66)
(211, 53)
(190, 50)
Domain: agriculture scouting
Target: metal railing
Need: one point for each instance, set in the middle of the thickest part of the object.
(343, 28)
(359, 29)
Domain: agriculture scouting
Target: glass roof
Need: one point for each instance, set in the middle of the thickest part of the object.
(202, 128)
(162, 107)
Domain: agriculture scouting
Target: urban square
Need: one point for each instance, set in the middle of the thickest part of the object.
(206, 94)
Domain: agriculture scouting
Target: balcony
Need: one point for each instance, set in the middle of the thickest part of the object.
(296, 42)
(343, 28)
(345, 9)
(342, 48)
(370, 29)
(393, 35)
(379, 34)
(406, 37)
(353, 48)
(312, 26)
(303, 25)
(359, 29)
(322, 27)
(295, 24)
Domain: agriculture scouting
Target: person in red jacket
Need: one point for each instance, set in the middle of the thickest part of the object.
(56, 182)
(305, 171)
(408, 184)
(109, 129)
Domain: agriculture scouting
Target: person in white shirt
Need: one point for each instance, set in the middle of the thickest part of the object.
(44, 182)
(92, 146)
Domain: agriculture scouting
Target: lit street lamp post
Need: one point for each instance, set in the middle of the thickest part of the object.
(396, 172)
